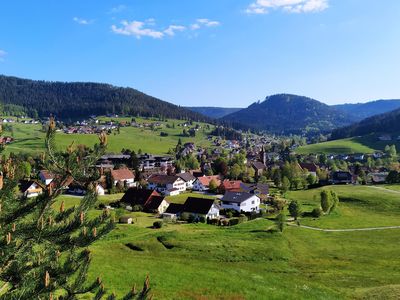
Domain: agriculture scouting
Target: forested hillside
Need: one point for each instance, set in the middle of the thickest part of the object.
(79, 100)
(383, 123)
(360, 111)
(285, 114)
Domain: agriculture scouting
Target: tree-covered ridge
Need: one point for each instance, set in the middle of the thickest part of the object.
(285, 113)
(82, 99)
(360, 111)
(384, 123)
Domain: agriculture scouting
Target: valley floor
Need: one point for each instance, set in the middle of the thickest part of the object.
(199, 261)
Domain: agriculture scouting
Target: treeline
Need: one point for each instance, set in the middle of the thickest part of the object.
(15, 110)
(227, 133)
(80, 100)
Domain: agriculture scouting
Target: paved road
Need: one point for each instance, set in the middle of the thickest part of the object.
(346, 230)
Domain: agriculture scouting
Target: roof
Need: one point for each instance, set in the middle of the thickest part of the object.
(258, 165)
(154, 202)
(309, 166)
(136, 196)
(174, 208)
(263, 188)
(232, 185)
(122, 174)
(46, 174)
(198, 205)
(162, 179)
(186, 177)
(236, 197)
(205, 180)
(24, 185)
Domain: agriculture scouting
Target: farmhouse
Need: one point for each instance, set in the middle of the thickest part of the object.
(240, 201)
(150, 200)
(166, 184)
(200, 207)
(124, 176)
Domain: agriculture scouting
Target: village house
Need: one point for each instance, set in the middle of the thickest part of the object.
(230, 186)
(341, 177)
(311, 168)
(259, 189)
(149, 200)
(202, 183)
(172, 212)
(258, 167)
(241, 202)
(378, 177)
(199, 207)
(124, 176)
(46, 177)
(166, 184)
(188, 178)
(31, 188)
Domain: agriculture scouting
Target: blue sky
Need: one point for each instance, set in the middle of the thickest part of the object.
(209, 52)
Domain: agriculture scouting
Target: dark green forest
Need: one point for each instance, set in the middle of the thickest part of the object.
(383, 123)
(79, 100)
(289, 114)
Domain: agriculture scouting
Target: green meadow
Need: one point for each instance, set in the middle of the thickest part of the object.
(247, 261)
(364, 144)
(29, 138)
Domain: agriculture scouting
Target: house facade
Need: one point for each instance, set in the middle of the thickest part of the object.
(241, 202)
(166, 184)
(202, 183)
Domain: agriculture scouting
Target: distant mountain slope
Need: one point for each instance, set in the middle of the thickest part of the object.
(364, 110)
(383, 123)
(214, 112)
(285, 114)
(82, 99)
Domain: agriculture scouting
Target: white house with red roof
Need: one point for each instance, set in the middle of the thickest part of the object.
(124, 175)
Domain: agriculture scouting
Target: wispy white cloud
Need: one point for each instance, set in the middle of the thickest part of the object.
(2, 55)
(136, 29)
(82, 21)
(174, 28)
(291, 6)
(117, 9)
(148, 28)
(204, 22)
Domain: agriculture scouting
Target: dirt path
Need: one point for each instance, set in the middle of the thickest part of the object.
(345, 230)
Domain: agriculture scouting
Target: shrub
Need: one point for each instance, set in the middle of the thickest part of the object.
(242, 218)
(233, 222)
(213, 222)
(137, 208)
(229, 214)
(157, 224)
(191, 218)
(202, 219)
(316, 212)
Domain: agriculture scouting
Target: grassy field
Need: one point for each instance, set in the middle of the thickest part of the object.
(248, 262)
(29, 138)
(365, 144)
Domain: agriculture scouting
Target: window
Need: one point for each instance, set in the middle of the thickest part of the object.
(252, 202)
